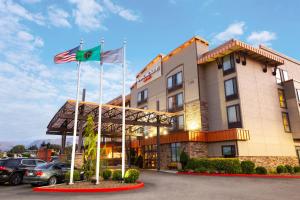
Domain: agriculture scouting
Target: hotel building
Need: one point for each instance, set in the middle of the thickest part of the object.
(235, 100)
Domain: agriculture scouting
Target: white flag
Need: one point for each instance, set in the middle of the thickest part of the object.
(112, 56)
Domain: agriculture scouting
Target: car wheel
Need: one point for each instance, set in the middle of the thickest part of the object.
(34, 184)
(16, 179)
(52, 180)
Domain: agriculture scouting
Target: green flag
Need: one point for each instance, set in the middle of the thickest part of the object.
(89, 54)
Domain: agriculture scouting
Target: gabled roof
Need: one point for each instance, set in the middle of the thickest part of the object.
(236, 45)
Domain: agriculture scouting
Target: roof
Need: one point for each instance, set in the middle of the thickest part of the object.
(118, 100)
(236, 45)
(268, 49)
(63, 120)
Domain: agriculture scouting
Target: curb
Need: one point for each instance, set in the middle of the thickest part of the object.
(239, 175)
(89, 190)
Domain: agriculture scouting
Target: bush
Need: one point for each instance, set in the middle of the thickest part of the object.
(261, 170)
(281, 169)
(289, 169)
(117, 175)
(131, 175)
(106, 174)
(76, 176)
(200, 170)
(184, 158)
(297, 169)
(247, 167)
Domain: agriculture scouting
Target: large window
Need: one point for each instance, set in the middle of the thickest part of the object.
(175, 152)
(234, 116)
(174, 81)
(228, 151)
(178, 123)
(281, 76)
(228, 64)
(175, 103)
(282, 101)
(142, 96)
(231, 91)
(286, 122)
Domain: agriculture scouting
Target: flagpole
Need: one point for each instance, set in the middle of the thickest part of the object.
(75, 120)
(99, 117)
(123, 110)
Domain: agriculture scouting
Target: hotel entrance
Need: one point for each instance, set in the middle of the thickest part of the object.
(150, 156)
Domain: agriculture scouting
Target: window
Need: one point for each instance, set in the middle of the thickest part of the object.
(281, 76)
(228, 151)
(175, 103)
(298, 94)
(142, 96)
(29, 162)
(174, 82)
(175, 152)
(178, 123)
(234, 116)
(282, 101)
(231, 89)
(286, 122)
(228, 64)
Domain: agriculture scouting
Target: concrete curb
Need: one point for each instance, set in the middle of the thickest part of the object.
(240, 175)
(88, 190)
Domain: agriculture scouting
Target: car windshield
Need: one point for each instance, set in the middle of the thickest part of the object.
(45, 166)
(11, 163)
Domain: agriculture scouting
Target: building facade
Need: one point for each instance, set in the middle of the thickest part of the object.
(232, 101)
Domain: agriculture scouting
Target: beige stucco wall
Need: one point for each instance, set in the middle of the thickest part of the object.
(261, 113)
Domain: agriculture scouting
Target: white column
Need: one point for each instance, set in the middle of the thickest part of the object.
(99, 118)
(123, 110)
(75, 121)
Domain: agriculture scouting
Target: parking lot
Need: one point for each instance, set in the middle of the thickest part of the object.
(171, 186)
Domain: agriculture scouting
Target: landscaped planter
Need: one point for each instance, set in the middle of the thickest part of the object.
(242, 175)
(103, 186)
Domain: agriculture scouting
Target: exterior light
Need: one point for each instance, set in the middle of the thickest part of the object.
(146, 137)
(165, 132)
(193, 126)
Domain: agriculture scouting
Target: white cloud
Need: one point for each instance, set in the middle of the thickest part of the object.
(31, 1)
(58, 17)
(122, 12)
(25, 36)
(232, 31)
(88, 14)
(262, 37)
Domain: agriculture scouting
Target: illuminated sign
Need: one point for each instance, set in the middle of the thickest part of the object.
(151, 73)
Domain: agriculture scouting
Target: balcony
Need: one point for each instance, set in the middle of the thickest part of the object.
(143, 101)
(175, 87)
(175, 108)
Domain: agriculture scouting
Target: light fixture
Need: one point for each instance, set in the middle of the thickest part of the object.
(165, 132)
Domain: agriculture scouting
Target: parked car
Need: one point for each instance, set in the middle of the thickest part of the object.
(12, 170)
(47, 174)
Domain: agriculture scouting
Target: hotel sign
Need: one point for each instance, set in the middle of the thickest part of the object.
(151, 73)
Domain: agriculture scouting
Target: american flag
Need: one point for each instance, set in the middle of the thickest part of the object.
(66, 56)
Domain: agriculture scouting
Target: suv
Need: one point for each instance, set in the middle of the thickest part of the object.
(12, 170)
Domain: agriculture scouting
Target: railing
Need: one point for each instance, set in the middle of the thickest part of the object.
(236, 134)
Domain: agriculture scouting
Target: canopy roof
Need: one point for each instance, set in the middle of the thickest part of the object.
(63, 120)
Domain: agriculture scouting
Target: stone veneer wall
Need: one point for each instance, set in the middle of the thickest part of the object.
(271, 162)
(165, 156)
(204, 116)
(78, 160)
(192, 115)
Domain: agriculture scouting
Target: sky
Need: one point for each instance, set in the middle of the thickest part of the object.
(33, 88)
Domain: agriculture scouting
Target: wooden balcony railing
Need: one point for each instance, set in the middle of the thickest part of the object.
(236, 134)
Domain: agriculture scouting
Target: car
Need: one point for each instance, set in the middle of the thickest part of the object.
(12, 170)
(47, 174)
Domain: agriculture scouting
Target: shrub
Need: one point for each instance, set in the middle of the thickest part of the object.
(76, 176)
(117, 175)
(106, 174)
(200, 170)
(261, 170)
(297, 169)
(289, 169)
(281, 169)
(131, 175)
(247, 167)
(184, 158)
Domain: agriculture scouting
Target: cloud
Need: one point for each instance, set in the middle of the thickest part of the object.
(232, 31)
(88, 14)
(122, 12)
(58, 17)
(31, 1)
(23, 35)
(262, 37)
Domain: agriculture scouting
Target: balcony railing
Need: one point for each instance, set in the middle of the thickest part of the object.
(142, 101)
(175, 87)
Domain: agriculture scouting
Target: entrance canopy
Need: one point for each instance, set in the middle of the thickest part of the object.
(63, 121)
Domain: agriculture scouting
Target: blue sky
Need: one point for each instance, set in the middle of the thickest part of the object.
(32, 87)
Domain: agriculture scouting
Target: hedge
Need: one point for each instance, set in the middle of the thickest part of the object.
(248, 167)
(106, 174)
(76, 176)
(297, 169)
(281, 169)
(117, 175)
(131, 175)
(261, 170)
(223, 165)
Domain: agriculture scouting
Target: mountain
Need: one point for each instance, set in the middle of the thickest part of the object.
(51, 141)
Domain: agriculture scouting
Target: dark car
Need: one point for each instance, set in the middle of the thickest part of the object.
(47, 174)
(12, 170)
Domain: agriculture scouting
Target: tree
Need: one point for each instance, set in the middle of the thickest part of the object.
(90, 148)
(18, 149)
(43, 144)
(33, 147)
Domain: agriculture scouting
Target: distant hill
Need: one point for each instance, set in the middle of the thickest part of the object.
(51, 141)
